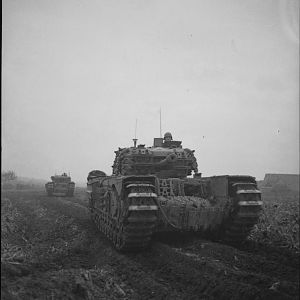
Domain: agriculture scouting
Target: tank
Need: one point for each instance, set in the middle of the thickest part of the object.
(159, 189)
(60, 185)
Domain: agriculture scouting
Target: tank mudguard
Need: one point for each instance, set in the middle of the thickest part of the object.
(118, 181)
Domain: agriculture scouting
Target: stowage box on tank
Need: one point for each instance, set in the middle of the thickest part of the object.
(60, 185)
(151, 190)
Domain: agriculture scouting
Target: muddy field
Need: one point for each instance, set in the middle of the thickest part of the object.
(50, 249)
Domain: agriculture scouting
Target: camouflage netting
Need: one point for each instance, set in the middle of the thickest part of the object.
(186, 201)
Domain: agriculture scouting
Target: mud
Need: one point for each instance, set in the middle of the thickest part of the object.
(50, 249)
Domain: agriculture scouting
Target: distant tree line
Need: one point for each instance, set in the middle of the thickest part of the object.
(8, 175)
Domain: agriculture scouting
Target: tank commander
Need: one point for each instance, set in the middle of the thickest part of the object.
(168, 137)
(169, 143)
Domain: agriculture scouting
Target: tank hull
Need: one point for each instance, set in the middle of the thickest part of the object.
(129, 209)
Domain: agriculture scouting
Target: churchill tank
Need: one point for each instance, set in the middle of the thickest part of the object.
(60, 185)
(159, 189)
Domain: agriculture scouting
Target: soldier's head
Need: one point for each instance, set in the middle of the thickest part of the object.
(168, 137)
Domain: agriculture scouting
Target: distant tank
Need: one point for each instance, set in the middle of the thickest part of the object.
(152, 189)
(61, 185)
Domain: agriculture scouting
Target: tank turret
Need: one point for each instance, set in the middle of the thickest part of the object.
(166, 158)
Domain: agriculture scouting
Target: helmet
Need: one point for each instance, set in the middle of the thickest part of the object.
(168, 135)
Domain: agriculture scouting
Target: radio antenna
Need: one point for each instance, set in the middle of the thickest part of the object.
(135, 139)
(160, 121)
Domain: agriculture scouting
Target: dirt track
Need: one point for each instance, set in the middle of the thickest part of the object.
(51, 250)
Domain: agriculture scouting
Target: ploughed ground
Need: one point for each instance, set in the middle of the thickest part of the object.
(50, 249)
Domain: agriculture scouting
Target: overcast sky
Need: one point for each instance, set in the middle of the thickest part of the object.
(77, 74)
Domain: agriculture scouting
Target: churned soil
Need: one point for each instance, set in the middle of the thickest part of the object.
(50, 249)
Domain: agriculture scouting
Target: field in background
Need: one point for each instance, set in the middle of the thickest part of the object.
(23, 183)
(278, 225)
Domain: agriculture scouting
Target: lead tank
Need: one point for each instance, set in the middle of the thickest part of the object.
(60, 185)
(158, 189)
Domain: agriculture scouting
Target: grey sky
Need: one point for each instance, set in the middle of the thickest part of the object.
(77, 74)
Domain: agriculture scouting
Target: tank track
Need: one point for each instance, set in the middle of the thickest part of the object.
(133, 230)
(241, 223)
